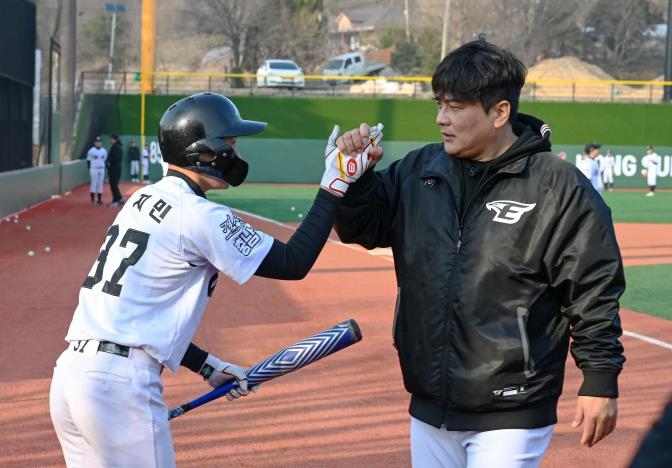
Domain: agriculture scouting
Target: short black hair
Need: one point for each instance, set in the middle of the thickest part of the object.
(479, 71)
(591, 146)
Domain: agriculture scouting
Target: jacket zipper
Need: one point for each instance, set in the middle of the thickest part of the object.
(461, 214)
(444, 370)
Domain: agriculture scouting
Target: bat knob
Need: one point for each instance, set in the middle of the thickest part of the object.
(354, 327)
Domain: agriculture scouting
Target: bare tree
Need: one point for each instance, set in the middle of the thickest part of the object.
(614, 34)
(617, 33)
(260, 29)
(230, 19)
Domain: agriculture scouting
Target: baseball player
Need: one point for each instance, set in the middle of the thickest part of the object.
(96, 158)
(590, 167)
(151, 282)
(608, 164)
(650, 164)
(145, 164)
(134, 157)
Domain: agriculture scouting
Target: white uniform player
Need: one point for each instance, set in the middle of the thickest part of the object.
(146, 293)
(95, 158)
(651, 163)
(608, 164)
(144, 160)
(590, 168)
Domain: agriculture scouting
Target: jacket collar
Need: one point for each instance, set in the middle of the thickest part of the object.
(439, 165)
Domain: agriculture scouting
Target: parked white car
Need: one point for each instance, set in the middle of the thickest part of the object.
(278, 73)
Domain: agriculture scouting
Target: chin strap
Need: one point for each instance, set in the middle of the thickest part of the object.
(209, 170)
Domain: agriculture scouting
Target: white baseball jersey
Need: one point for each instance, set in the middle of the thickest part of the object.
(157, 269)
(97, 157)
(651, 162)
(144, 160)
(608, 164)
(591, 170)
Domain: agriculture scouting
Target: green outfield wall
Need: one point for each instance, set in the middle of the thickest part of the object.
(290, 149)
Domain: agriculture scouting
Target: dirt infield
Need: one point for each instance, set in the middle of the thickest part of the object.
(348, 410)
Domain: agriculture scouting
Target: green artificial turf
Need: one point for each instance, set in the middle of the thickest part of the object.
(269, 200)
(648, 290)
(635, 207)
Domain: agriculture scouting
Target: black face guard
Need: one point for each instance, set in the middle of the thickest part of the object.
(220, 160)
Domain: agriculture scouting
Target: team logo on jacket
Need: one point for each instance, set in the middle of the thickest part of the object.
(508, 211)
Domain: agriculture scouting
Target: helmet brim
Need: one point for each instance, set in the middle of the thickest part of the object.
(245, 128)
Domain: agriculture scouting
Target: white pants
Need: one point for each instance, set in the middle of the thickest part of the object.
(608, 176)
(135, 169)
(97, 179)
(145, 168)
(108, 410)
(651, 178)
(504, 448)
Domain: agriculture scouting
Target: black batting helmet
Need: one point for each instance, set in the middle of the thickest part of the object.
(198, 124)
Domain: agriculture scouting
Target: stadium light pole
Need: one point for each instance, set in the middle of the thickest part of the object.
(445, 37)
(667, 89)
(113, 8)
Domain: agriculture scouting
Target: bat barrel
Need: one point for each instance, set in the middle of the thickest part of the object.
(305, 352)
(287, 360)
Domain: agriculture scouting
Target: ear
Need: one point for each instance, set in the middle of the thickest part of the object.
(502, 112)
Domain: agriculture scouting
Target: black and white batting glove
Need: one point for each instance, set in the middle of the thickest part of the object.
(342, 169)
(218, 373)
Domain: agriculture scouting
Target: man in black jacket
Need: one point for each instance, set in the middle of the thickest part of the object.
(502, 252)
(114, 161)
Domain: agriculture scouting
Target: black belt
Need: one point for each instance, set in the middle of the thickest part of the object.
(113, 348)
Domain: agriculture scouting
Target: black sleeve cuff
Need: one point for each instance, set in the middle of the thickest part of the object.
(599, 384)
(194, 358)
(361, 186)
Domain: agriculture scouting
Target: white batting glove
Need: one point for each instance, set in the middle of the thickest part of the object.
(341, 169)
(218, 373)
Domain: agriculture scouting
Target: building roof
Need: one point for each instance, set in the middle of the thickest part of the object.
(367, 19)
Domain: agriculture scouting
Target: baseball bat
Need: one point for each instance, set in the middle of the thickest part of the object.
(287, 360)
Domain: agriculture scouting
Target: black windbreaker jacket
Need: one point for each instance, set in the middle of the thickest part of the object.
(488, 300)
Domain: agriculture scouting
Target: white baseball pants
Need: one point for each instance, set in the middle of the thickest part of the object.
(108, 410)
(97, 179)
(135, 169)
(504, 448)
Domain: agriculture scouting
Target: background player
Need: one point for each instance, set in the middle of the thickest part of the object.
(651, 163)
(589, 166)
(134, 158)
(145, 164)
(153, 278)
(115, 158)
(608, 164)
(96, 159)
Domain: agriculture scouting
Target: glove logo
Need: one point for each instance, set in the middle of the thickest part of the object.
(351, 167)
(507, 211)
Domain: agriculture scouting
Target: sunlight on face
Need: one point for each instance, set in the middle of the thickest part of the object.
(466, 129)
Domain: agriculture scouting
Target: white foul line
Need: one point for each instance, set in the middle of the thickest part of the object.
(377, 252)
(648, 339)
